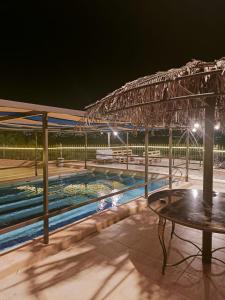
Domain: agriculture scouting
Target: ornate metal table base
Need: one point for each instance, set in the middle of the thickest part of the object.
(161, 234)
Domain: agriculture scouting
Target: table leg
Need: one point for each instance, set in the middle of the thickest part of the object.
(172, 230)
(161, 231)
(206, 247)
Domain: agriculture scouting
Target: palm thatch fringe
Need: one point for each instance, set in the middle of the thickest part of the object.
(175, 97)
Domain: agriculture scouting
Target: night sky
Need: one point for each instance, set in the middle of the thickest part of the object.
(72, 53)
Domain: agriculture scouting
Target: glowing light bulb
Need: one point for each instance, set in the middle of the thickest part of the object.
(217, 126)
(194, 129)
(196, 125)
(115, 133)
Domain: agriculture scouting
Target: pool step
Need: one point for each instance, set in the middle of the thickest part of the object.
(13, 217)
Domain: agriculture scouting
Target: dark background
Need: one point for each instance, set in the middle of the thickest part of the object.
(70, 54)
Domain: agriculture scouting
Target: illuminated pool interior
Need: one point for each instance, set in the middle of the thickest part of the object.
(24, 201)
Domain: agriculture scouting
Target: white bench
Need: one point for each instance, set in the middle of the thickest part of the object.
(154, 155)
(121, 155)
(105, 155)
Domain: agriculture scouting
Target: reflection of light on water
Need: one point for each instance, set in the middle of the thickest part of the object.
(102, 204)
(32, 189)
(115, 199)
(117, 185)
(85, 189)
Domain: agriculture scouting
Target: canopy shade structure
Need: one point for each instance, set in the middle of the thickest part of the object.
(170, 98)
(25, 116)
(176, 97)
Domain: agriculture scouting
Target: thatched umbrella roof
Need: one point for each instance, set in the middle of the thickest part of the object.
(166, 98)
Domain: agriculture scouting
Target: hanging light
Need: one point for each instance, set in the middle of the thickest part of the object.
(194, 129)
(196, 125)
(115, 133)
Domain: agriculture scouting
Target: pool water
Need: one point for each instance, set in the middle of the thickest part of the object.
(24, 201)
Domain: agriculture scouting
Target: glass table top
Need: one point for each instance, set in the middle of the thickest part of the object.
(186, 207)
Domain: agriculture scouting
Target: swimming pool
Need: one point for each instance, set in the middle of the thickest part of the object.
(24, 201)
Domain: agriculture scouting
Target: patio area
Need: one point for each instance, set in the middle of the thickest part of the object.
(16, 170)
(115, 253)
(121, 261)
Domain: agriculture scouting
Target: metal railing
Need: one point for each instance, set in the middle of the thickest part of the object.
(137, 150)
(72, 207)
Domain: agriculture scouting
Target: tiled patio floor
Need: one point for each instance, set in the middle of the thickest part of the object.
(121, 262)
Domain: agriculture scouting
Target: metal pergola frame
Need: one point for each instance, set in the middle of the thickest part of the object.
(44, 128)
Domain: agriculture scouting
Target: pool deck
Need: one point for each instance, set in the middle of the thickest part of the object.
(195, 171)
(16, 170)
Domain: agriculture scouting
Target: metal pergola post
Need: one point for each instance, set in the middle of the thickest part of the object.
(45, 176)
(170, 156)
(146, 161)
(208, 177)
(3, 154)
(85, 154)
(127, 147)
(187, 154)
(35, 156)
(61, 150)
(109, 139)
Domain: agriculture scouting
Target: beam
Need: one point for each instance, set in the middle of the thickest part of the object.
(20, 115)
(146, 161)
(45, 176)
(159, 101)
(208, 178)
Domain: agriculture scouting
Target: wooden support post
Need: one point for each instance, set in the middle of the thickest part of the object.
(45, 176)
(208, 176)
(35, 156)
(146, 162)
(85, 154)
(127, 148)
(170, 156)
(187, 154)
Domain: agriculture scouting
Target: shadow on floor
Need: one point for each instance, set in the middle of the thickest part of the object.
(123, 261)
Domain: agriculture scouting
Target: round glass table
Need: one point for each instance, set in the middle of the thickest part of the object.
(186, 207)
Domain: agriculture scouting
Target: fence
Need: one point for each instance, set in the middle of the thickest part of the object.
(74, 152)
